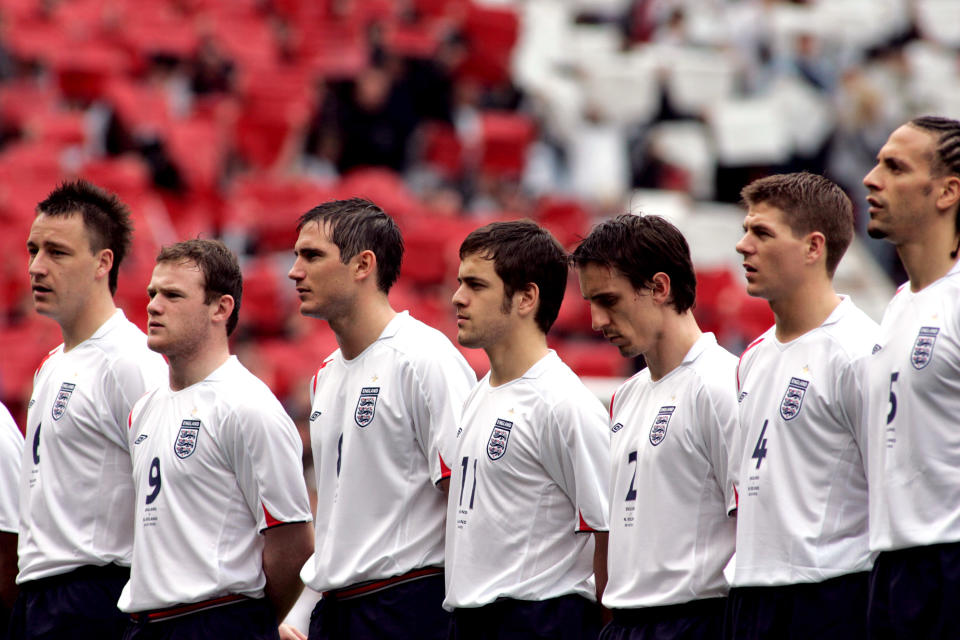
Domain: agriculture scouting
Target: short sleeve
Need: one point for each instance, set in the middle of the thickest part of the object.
(718, 418)
(575, 451)
(129, 379)
(11, 453)
(263, 447)
(437, 385)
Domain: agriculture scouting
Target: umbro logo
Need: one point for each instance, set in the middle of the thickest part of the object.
(140, 439)
(314, 416)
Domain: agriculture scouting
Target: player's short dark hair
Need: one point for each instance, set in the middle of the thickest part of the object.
(947, 151)
(356, 225)
(946, 158)
(638, 247)
(523, 252)
(105, 217)
(809, 203)
(220, 269)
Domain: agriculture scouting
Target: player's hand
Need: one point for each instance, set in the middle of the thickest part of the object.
(290, 633)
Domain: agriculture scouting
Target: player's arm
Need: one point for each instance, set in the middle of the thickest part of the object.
(285, 550)
(8, 568)
(600, 539)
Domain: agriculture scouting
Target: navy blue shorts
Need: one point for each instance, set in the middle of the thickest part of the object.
(77, 605)
(246, 619)
(569, 617)
(828, 610)
(696, 620)
(915, 593)
(405, 610)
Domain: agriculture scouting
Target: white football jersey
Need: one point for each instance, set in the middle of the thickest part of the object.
(214, 465)
(671, 529)
(380, 428)
(914, 401)
(76, 494)
(11, 450)
(803, 490)
(529, 480)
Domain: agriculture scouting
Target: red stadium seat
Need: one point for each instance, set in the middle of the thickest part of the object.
(591, 358)
(505, 136)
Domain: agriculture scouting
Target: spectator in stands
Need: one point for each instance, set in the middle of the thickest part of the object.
(75, 561)
(673, 430)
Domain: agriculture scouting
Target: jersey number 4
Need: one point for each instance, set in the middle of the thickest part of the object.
(760, 450)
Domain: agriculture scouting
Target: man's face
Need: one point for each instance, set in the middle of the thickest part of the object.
(483, 316)
(773, 257)
(902, 190)
(63, 270)
(178, 318)
(323, 282)
(628, 318)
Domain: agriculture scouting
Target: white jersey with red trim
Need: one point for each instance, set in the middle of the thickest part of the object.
(214, 465)
(76, 495)
(671, 525)
(529, 483)
(803, 491)
(380, 428)
(11, 451)
(913, 407)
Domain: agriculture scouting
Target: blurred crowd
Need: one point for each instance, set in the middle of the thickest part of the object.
(229, 119)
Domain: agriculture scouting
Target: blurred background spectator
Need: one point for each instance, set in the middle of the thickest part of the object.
(230, 119)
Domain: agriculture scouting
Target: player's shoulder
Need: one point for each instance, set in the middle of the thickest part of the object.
(124, 344)
(417, 340)
(556, 385)
(853, 334)
(713, 373)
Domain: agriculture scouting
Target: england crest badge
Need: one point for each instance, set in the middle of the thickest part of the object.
(659, 429)
(366, 406)
(63, 397)
(497, 444)
(186, 442)
(923, 347)
(793, 398)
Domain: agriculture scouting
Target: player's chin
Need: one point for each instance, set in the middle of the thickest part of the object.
(467, 340)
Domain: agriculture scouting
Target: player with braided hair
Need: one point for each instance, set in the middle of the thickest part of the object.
(913, 387)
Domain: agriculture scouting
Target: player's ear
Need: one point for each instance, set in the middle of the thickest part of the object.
(949, 193)
(815, 247)
(104, 263)
(222, 308)
(660, 287)
(364, 265)
(527, 299)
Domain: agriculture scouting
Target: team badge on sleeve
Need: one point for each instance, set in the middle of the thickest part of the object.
(186, 442)
(923, 347)
(63, 397)
(659, 429)
(497, 444)
(793, 398)
(366, 406)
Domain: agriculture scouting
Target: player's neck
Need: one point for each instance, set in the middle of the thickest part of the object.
(362, 325)
(193, 367)
(927, 261)
(513, 355)
(805, 310)
(98, 309)
(679, 333)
